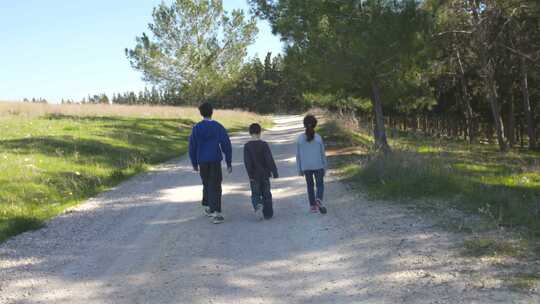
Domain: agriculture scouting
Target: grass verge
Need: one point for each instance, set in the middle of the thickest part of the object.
(505, 188)
(52, 160)
(468, 188)
(525, 281)
(489, 247)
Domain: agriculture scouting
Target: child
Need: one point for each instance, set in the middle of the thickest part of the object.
(208, 141)
(260, 166)
(311, 162)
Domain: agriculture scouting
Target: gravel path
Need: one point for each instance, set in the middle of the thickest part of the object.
(147, 242)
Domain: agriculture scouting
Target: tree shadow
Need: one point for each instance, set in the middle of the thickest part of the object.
(69, 146)
(359, 252)
(326, 265)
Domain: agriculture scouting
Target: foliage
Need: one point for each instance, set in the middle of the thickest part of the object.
(477, 60)
(258, 87)
(195, 47)
(263, 87)
(443, 63)
(356, 48)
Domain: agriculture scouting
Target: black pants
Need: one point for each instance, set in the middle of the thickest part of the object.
(261, 194)
(315, 178)
(212, 177)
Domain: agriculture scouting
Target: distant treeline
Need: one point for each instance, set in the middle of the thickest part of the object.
(36, 100)
(259, 87)
(153, 96)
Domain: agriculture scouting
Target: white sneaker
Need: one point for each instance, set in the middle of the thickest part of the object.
(259, 212)
(206, 211)
(218, 218)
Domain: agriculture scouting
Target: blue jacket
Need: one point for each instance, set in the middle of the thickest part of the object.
(207, 143)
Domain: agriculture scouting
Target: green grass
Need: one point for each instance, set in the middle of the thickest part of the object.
(337, 136)
(525, 281)
(479, 247)
(49, 163)
(504, 188)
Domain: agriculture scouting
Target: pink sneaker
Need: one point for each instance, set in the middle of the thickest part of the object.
(313, 209)
(320, 207)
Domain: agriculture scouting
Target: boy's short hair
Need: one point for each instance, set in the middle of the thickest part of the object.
(206, 110)
(255, 129)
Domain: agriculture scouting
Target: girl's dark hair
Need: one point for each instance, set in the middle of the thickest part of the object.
(310, 122)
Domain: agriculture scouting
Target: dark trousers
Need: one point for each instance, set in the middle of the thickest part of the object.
(212, 177)
(315, 178)
(261, 194)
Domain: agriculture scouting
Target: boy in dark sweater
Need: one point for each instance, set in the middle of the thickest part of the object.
(207, 144)
(260, 166)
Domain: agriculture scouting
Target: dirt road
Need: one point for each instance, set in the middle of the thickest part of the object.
(147, 242)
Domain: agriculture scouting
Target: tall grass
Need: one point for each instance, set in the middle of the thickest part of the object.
(475, 178)
(91, 110)
(54, 156)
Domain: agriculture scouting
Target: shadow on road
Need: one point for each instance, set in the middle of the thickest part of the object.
(147, 242)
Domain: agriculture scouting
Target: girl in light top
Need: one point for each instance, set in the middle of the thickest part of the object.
(311, 161)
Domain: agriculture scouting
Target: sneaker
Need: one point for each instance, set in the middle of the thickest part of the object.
(218, 218)
(320, 206)
(259, 212)
(207, 212)
(313, 209)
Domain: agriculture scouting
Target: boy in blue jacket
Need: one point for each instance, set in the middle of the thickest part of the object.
(207, 144)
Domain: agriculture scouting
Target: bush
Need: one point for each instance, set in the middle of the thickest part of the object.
(405, 175)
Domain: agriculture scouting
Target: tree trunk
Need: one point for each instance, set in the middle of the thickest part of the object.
(489, 133)
(511, 122)
(522, 132)
(518, 131)
(531, 132)
(379, 131)
(495, 110)
(466, 100)
(488, 70)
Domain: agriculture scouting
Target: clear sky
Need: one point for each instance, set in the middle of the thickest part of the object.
(71, 48)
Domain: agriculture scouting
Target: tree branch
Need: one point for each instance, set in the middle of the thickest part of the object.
(526, 56)
(451, 32)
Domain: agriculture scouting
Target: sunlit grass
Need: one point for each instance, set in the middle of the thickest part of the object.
(429, 149)
(479, 247)
(525, 281)
(53, 159)
(475, 178)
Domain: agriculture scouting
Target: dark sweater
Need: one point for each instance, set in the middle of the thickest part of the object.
(258, 160)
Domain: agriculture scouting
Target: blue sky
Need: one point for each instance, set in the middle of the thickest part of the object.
(71, 48)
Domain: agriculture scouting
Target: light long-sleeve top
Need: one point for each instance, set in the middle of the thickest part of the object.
(310, 155)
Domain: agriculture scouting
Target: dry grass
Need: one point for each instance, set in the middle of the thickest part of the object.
(140, 111)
